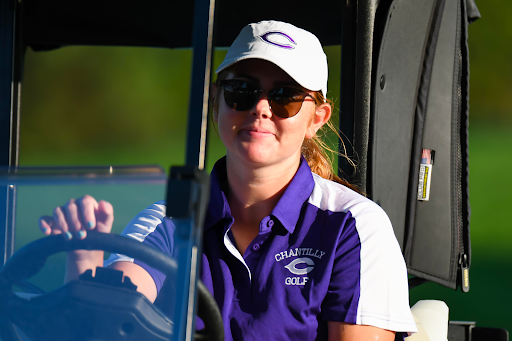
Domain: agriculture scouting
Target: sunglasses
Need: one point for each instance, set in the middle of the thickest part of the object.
(242, 95)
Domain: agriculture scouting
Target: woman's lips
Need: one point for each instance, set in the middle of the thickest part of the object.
(256, 132)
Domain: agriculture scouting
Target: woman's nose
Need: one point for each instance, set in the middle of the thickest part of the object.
(262, 106)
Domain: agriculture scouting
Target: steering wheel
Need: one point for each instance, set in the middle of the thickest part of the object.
(92, 308)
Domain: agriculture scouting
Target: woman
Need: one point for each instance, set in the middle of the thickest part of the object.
(287, 254)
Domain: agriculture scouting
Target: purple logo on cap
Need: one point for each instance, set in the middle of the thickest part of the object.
(266, 38)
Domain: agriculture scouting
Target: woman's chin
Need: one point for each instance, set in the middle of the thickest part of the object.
(257, 156)
(259, 159)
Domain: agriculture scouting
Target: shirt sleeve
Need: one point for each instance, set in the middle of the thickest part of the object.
(369, 284)
(342, 298)
(152, 228)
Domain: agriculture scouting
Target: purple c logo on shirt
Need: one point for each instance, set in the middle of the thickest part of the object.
(292, 267)
(266, 38)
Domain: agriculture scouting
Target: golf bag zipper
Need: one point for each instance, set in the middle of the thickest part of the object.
(463, 266)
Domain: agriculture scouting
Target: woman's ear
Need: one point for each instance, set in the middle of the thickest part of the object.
(320, 117)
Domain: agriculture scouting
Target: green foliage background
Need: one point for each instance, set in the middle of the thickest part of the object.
(113, 106)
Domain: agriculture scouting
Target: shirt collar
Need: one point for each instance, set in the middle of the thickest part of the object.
(287, 210)
(218, 207)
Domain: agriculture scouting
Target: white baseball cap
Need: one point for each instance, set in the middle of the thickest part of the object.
(296, 51)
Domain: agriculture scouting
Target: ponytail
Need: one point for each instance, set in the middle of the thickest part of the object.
(315, 151)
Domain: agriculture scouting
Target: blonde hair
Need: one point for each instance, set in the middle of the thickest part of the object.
(314, 150)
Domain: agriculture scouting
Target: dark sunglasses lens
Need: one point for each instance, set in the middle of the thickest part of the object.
(285, 102)
(239, 96)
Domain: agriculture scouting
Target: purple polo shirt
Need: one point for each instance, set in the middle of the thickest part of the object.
(325, 253)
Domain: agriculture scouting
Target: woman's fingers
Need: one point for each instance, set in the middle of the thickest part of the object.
(104, 216)
(77, 217)
(45, 224)
(74, 218)
(88, 205)
(60, 223)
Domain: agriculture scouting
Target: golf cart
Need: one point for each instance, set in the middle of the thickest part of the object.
(403, 99)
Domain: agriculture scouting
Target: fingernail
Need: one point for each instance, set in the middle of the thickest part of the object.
(44, 229)
(81, 234)
(90, 225)
(68, 235)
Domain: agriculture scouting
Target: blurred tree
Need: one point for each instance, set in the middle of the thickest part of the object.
(91, 105)
(490, 43)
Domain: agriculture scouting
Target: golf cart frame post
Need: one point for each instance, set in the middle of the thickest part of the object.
(11, 66)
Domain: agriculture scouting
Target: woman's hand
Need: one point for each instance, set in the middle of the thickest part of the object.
(74, 220)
